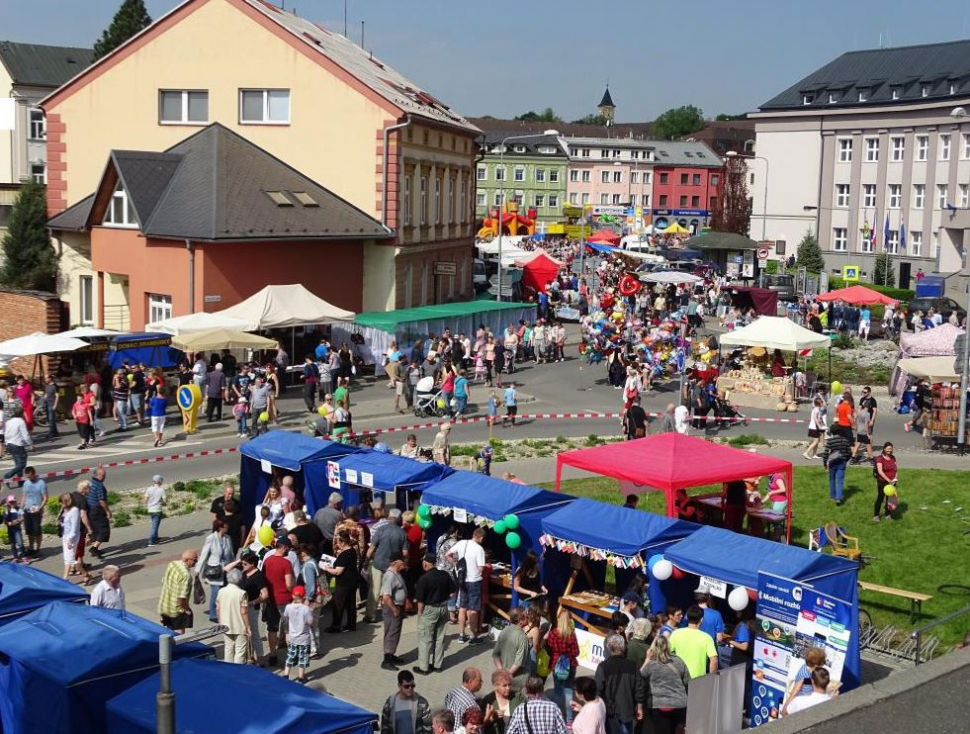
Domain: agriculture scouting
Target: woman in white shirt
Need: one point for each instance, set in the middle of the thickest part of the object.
(215, 559)
(816, 427)
(70, 526)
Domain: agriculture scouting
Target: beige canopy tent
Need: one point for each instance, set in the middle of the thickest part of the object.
(221, 338)
(775, 332)
(937, 369)
(200, 321)
(282, 307)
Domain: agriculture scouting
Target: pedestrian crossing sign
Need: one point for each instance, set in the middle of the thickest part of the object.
(850, 272)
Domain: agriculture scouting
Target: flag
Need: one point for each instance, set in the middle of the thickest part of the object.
(950, 207)
(872, 232)
(902, 238)
(885, 234)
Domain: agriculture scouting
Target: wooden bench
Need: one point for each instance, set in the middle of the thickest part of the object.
(915, 598)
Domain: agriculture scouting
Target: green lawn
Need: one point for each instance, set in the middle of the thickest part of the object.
(922, 551)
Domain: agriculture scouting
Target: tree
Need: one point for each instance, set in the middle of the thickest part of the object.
(678, 122)
(810, 254)
(547, 115)
(30, 262)
(732, 212)
(724, 117)
(591, 119)
(131, 18)
(882, 273)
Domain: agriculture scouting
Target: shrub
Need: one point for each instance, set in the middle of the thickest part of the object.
(843, 340)
(495, 443)
(53, 505)
(139, 510)
(747, 439)
(113, 498)
(121, 519)
(187, 509)
(4, 539)
(179, 487)
(49, 528)
(593, 440)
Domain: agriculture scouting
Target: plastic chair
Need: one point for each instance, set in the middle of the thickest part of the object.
(843, 545)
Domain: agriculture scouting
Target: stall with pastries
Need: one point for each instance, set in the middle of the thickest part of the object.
(581, 543)
(511, 513)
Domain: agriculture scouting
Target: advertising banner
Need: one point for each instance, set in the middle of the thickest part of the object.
(792, 617)
(591, 652)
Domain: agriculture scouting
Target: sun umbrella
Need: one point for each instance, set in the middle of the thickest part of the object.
(40, 343)
(82, 332)
(857, 295)
(221, 338)
(675, 228)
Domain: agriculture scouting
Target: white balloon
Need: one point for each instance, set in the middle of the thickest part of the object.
(738, 598)
(662, 570)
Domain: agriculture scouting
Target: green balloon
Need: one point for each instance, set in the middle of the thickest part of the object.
(500, 527)
(424, 523)
(513, 540)
(512, 522)
(424, 511)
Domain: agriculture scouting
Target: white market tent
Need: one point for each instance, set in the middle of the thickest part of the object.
(936, 369)
(284, 306)
(668, 277)
(40, 343)
(508, 244)
(87, 332)
(201, 321)
(775, 332)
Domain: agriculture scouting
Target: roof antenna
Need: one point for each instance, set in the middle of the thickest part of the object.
(361, 34)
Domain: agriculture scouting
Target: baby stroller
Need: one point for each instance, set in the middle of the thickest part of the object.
(427, 400)
(727, 414)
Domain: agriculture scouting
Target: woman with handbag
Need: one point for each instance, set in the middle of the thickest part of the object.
(666, 677)
(216, 555)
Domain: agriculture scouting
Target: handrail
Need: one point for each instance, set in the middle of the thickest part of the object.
(917, 634)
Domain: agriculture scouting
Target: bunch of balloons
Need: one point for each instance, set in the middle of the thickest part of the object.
(507, 527)
(424, 517)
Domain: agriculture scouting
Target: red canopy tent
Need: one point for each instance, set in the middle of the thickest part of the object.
(857, 295)
(539, 272)
(672, 461)
(606, 236)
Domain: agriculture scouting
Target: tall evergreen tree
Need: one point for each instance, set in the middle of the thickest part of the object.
(883, 271)
(30, 262)
(810, 254)
(131, 18)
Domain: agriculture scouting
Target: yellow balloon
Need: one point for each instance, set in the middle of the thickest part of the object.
(265, 535)
(264, 417)
(836, 388)
(889, 490)
(323, 410)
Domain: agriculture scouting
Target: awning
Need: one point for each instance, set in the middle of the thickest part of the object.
(196, 322)
(670, 277)
(936, 369)
(285, 306)
(776, 332)
(209, 339)
(857, 295)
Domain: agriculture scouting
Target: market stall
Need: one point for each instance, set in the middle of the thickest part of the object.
(178, 325)
(59, 664)
(581, 540)
(219, 338)
(24, 589)
(668, 462)
(753, 385)
(370, 334)
(717, 555)
(152, 349)
(763, 300)
(366, 473)
(538, 271)
(937, 342)
(311, 462)
(511, 512)
(264, 703)
(857, 295)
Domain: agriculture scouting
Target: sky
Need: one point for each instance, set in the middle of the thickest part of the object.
(505, 57)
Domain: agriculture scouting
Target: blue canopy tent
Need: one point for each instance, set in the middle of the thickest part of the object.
(737, 559)
(24, 589)
(155, 350)
(600, 247)
(397, 476)
(483, 498)
(594, 526)
(262, 703)
(59, 664)
(306, 459)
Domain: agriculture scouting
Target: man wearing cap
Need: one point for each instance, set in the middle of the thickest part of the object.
(326, 518)
(432, 592)
(386, 541)
(279, 575)
(394, 594)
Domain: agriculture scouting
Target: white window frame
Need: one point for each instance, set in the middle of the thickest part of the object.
(585, 153)
(868, 196)
(715, 179)
(845, 150)
(585, 199)
(605, 153)
(616, 200)
(553, 201)
(919, 196)
(540, 201)
(38, 173)
(449, 199)
(945, 145)
(407, 203)
(500, 173)
(892, 244)
(540, 175)
(863, 95)
(518, 175)
(894, 196)
(867, 246)
(266, 96)
(618, 177)
(645, 200)
(898, 143)
(604, 176)
(872, 150)
(497, 198)
(184, 109)
(480, 198)
(587, 177)
(604, 199)
(159, 306)
(915, 242)
(807, 99)
(936, 244)
(423, 201)
(965, 153)
(85, 289)
(37, 124)
(647, 176)
(574, 198)
(128, 219)
(840, 239)
(481, 173)
(964, 195)
(942, 195)
(553, 175)
(574, 176)
(843, 195)
(922, 147)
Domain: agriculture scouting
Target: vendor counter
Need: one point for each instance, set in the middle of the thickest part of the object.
(752, 388)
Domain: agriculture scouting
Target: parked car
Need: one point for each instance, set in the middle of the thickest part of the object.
(479, 276)
(943, 306)
(781, 283)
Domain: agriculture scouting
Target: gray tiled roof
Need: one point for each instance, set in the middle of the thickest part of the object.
(877, 72)
(531, 144)
(43, 66)
(680, 153)
(378, 76)
(213, 186)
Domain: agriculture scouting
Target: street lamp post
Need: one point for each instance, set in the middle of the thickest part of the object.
(501, 163)
(764, 210)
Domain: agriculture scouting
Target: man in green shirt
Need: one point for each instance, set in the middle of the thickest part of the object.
(173, 602)
(511, 651)
(694, 646)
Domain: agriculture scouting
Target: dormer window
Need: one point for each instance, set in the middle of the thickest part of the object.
(808, 98)
(547, 149)
(833, 98)
(895, 92)
(924, 91)
(519, 149)
(120, 212)
(953, 88)
(863, 95)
